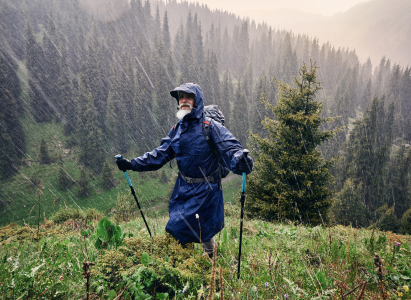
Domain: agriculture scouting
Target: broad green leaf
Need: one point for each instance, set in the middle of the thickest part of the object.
(162, 296)
(112, 294)
(146, 259)
(225, 236)
(321, 279)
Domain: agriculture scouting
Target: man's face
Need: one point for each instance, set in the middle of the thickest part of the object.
(186, 101)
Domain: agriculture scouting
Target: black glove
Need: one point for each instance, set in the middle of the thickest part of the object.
(123, 164)
(245, 164)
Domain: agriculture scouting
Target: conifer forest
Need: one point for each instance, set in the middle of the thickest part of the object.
(327, 211)
(102, 75)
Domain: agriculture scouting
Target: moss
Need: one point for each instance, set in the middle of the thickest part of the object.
(171, 262)
(71, 213)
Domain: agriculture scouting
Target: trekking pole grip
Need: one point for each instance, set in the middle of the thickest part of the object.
(245, 153)
(119, 156)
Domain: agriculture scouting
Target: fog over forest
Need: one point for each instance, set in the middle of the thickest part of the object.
(100, 73)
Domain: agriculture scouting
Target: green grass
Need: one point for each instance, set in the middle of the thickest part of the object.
(277, 260)
(20, 193)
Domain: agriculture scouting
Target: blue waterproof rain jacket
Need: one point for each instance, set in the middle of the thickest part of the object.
(187, 144)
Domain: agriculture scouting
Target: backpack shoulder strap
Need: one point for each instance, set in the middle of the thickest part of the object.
(207, 136)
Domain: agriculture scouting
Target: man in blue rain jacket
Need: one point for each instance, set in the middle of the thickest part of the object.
(198, 191)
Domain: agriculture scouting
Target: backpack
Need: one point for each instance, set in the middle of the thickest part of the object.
(211, 112)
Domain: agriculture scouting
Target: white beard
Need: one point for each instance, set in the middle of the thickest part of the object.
(182, 112)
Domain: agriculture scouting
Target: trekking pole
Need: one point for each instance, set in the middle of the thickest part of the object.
(118, 156)
(242, 199)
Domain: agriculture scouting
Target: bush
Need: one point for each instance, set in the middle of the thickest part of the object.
(126, 207)
(406, 222)
(388, 221)
(71, 213)
(348, 208)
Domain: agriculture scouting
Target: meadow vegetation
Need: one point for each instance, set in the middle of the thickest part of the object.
(279, 261)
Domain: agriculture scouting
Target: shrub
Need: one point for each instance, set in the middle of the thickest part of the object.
(126, 208)
(348, 208)
(71, 213)
(388, 221)
(406, 222)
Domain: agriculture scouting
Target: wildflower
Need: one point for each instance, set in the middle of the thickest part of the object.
(406, 288)
(266, 285)
(284, 286)
(400, 294)
(197, 216)
(397, 244)
(286, 296)
(200, 291)
(315, 235)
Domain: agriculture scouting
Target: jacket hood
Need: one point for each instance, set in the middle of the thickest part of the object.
(195, 89)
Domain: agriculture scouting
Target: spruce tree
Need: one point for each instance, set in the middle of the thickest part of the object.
(226, 98)
(41, 107)
(107, 179)
(83, 184)
(51, 66)
(348, 209)
(239, 122)
(64, 180)
(12, 137)
(44, 153)
(90, 138)
(290, 177)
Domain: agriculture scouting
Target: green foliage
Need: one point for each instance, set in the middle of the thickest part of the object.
(83, 184)
(90, 137)
(71, 213)
(107, 179)
(277, 259)
(163, 177)
(347, 209)
(388, 221)
(290, 177)
(44, 153)
(64, 180)
(406, 222)
(125, 207)
(108, 235)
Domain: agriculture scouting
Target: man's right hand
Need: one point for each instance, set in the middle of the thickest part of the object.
(124, 164)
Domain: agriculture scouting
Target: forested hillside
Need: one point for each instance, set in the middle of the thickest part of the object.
(103, 74)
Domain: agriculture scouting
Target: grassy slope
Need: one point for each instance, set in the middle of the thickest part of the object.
(277, 260)
(20, 192)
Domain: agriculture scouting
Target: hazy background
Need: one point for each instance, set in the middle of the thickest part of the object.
(373, 28)
(322, 7)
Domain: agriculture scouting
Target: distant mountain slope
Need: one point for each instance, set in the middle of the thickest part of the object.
(374, 28)
(281, 18)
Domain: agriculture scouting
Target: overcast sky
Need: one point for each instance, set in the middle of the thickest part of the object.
(323, 7)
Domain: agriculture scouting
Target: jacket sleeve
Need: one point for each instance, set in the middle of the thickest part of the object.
(155, 159)
(228, 146)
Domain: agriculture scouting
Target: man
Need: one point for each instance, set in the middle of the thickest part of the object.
(198, 190)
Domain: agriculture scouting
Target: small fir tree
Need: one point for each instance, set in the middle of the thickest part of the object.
(291, 177)
(64, 180)
(347, 208)
(163, 176)
(44, 153)
(107, 177)
(406, 222)
(83, 184)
